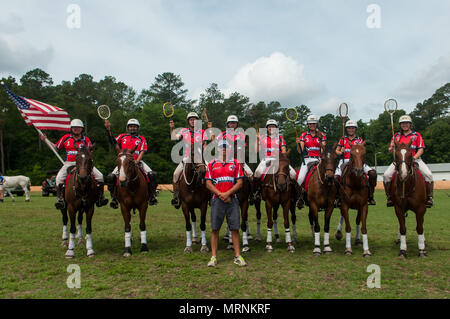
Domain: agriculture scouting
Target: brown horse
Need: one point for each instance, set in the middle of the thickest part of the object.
(321, 193)
(408, 193)
(354, 193)
(276, 191)
(80, 195)
(132, 194)
(194, 194)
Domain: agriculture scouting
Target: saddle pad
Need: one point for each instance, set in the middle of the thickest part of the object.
(308, 177)
(417, 171)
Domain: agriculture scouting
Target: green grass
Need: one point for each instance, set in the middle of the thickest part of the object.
(32, 263)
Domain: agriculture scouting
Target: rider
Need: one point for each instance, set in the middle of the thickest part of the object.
(128, 141)
(238, 139)
(417, 148)
(68, 142)
(313, 140)
(272, 144)
(343, 148)
(189, 135)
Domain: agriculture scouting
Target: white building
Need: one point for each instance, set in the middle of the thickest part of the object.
(441, 172)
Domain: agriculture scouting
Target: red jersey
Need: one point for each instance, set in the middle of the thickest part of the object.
(224, 175)
(68, 142)
(312, 144)
(417, 140)
(238, 137)
(191, 137)
(346, 142)
(271, 145)
(128, 142)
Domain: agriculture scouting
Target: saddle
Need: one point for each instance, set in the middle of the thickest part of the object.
(71, 170)
(346, 169)
(310, 169)
(415, 168)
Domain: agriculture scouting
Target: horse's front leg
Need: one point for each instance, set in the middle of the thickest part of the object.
(287, 231)
(187, 219)
(348, 228)
(402, 229)
(293, 220)
(358, 227)
(142, 227)
(244, 226)
(258, 219)
(420, 213)
(65, 235)
(89, 248)
(269, 208)
(365, 239)
(79, 235)
(70, 253)
(194, 225)
(275, 223)
(326, 228)
(203, 212)
(126, 219)
(314, 217)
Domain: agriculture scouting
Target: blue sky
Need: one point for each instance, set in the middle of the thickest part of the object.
(319, 53)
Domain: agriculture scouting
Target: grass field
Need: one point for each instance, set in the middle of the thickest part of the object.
(32, 263)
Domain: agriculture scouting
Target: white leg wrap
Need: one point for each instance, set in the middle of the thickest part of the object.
(341, 221)
(326, 239)
(247, 226)
(128, 239)
(358, 231)
(79, 231)
(194, 230)
(143, 237)
(88, 241)
(203, 234)
(275, 227)
(365, 242)
(72, 241)
(188, 239)
(65, 234)
(317, 239)
(348, 239)
(287, 233)
(244, 239)
(402, 242)
(421, 239)
(269, 235)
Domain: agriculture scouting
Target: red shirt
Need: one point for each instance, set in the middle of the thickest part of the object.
(231, 138)
(417, 140)
(68, 142)
(312, 144)
(128, 142)
(271, 145)
(224, 175)
(191, 137)
(346, 142)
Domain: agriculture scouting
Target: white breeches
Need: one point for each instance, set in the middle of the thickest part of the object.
(304, 169)
(62, 174)
(146, 168)
(266, 164)
(423, 169)
(341, 164)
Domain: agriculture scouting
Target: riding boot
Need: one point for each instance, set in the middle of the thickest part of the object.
(101, 200)
(251, 191)
(60, 204)
(372, 185)
(152, 188)
(429, 188)
(300, 201)
(111, 182)
(387, 190)
(176, 201)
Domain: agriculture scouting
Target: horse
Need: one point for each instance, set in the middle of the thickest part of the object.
(194, 194)
(80, 195)
(12, 182)
(408, 193)
(321, 193)
(276, 191)
(132, 194)
(354, 193)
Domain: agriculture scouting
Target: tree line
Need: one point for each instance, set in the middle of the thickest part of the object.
(22, 152)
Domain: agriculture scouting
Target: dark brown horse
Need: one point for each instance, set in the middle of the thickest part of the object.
(321, 193)
(276, 191)
(354, 193)
(80, 195)
(408, 193)
(194, 194)
(132, 194)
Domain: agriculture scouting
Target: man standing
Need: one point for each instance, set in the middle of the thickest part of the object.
(224, 179)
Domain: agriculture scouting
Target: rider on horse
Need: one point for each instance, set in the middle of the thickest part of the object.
(343, 148)
(272, 144)
(129, 141)
(313, 140)
(189, 135)
(417, 148)
(68, 143)
(238, 140)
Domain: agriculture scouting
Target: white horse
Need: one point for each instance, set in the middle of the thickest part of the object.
(11, 182)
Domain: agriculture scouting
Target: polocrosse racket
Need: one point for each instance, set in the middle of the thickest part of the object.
(292, 116)
(168, 109)
(104, 112)
(390, 106)
(343, 112)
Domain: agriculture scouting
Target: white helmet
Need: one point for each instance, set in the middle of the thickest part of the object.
(405, 118)
(192, 114)
(232, 118)
(133, 122)
(76, 123)
(351, 124)
(312, 119)
(271, 122)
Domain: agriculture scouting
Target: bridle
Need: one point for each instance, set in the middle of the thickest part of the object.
(132, 165)
(82, 184)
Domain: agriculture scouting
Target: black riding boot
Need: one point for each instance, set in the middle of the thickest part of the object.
(101, 200)
(429, 189)
(300, 201)
(387, 190)
(372, 184)
(176, 201)
(152, 186)
(60, 204)
(111, 182)
(337, 181)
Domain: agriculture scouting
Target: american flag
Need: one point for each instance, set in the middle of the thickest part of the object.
(43, 116)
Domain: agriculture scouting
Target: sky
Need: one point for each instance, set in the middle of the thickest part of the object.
(318, 53)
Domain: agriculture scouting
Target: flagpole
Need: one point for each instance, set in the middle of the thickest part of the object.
(49, 145)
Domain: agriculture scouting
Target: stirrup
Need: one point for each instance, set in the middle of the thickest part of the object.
(60, 204)
(429, 203)
(114, 203)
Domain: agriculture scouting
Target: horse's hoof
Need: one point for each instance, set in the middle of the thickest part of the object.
(402, 254)
(65, 243)
(70, 253)
(230, 247)
(317, 251)
(195, 241)
(225, 238)
(204, 249)
(291, 249)
(338, 235)
(245, 249)
(144, 248)
(27, 200)
(348, 252)
(367, 254)
(90, 253)
(269, 248)
(327, 250)
(278, 240)
(188, 250)
(358, 242)
(127, 252)
(422, 253)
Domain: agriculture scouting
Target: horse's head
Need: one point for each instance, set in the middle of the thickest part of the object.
(357, 158)
(126, 166)
(282, 176)
(84, 162)
(403, 159)
(328, 160)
